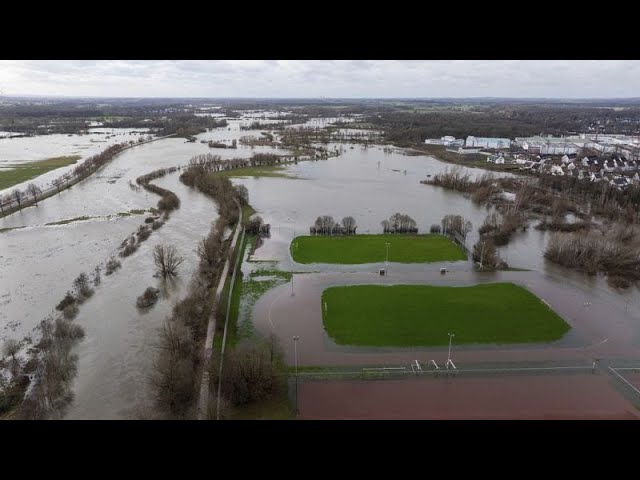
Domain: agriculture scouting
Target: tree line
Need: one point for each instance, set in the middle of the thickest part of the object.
(399, 223)
(326, 225)
(175, 381)
(18, 199)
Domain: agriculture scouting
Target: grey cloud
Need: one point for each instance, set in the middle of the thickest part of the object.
(306, 78)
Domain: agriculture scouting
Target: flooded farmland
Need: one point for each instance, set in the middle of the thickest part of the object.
(38, 262)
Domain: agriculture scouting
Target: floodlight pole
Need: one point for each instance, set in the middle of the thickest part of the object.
(386, 262)
(295, 353)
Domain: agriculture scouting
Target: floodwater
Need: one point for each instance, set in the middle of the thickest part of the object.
(116, 356)
(568, 397)
(14, 151)
(280, 312)
(38, 263)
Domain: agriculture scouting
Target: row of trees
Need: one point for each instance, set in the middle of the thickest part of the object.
(18, 198)
(169, 200)
(326, 225)
(399, 223)
(175, 377)
(207, 163)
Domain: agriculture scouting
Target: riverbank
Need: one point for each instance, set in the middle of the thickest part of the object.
(23, 172)
(66, 181)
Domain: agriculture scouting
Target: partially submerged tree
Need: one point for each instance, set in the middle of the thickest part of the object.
(485, 254)
(456, 224)
(254, 225)
(173, 375)
(17, 196)
(10, 348)
(167, 260)
(324, 224)
(399, 223)
(34, 191)
(349, 224)
(243, 193)
(82, 285)
(58, 182)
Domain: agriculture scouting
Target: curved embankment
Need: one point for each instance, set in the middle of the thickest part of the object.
(186, 339)
(17, 201)
(43, 384)
(203, 397)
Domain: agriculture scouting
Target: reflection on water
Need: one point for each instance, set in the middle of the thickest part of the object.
(116, 357)
(39, 263)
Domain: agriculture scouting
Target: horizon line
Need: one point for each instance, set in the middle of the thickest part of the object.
(34, 95)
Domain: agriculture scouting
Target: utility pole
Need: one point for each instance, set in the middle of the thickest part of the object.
(295, 350)
(386, 262)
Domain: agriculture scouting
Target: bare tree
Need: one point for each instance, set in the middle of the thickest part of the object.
(209, 248)
(34, 191)
(58, 182)
(167, 260)
(484, 253)
(249, 373)
(173, 377)
(5, 200)
(17, 196)
(254, 225)
(243, 193)
(349, 224)
(456, 224)
(10, 348)
(324, 224)
(82, 285)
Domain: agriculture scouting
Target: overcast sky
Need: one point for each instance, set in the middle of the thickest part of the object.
(322, 78)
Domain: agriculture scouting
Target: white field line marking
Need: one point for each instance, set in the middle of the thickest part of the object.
(624, 380)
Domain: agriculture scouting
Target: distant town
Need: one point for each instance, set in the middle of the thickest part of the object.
(612, 158)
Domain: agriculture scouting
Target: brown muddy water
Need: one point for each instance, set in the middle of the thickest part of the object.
(551, 397)
(301, 315)
(38, 263)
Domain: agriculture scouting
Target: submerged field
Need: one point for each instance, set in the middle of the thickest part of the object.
(357, 249)
(26, 171)
(421, 315)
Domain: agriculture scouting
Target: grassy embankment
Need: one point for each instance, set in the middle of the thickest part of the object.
(421, 315)
(246, 291)
(357, 249)
(24, 172)
(264, 171)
